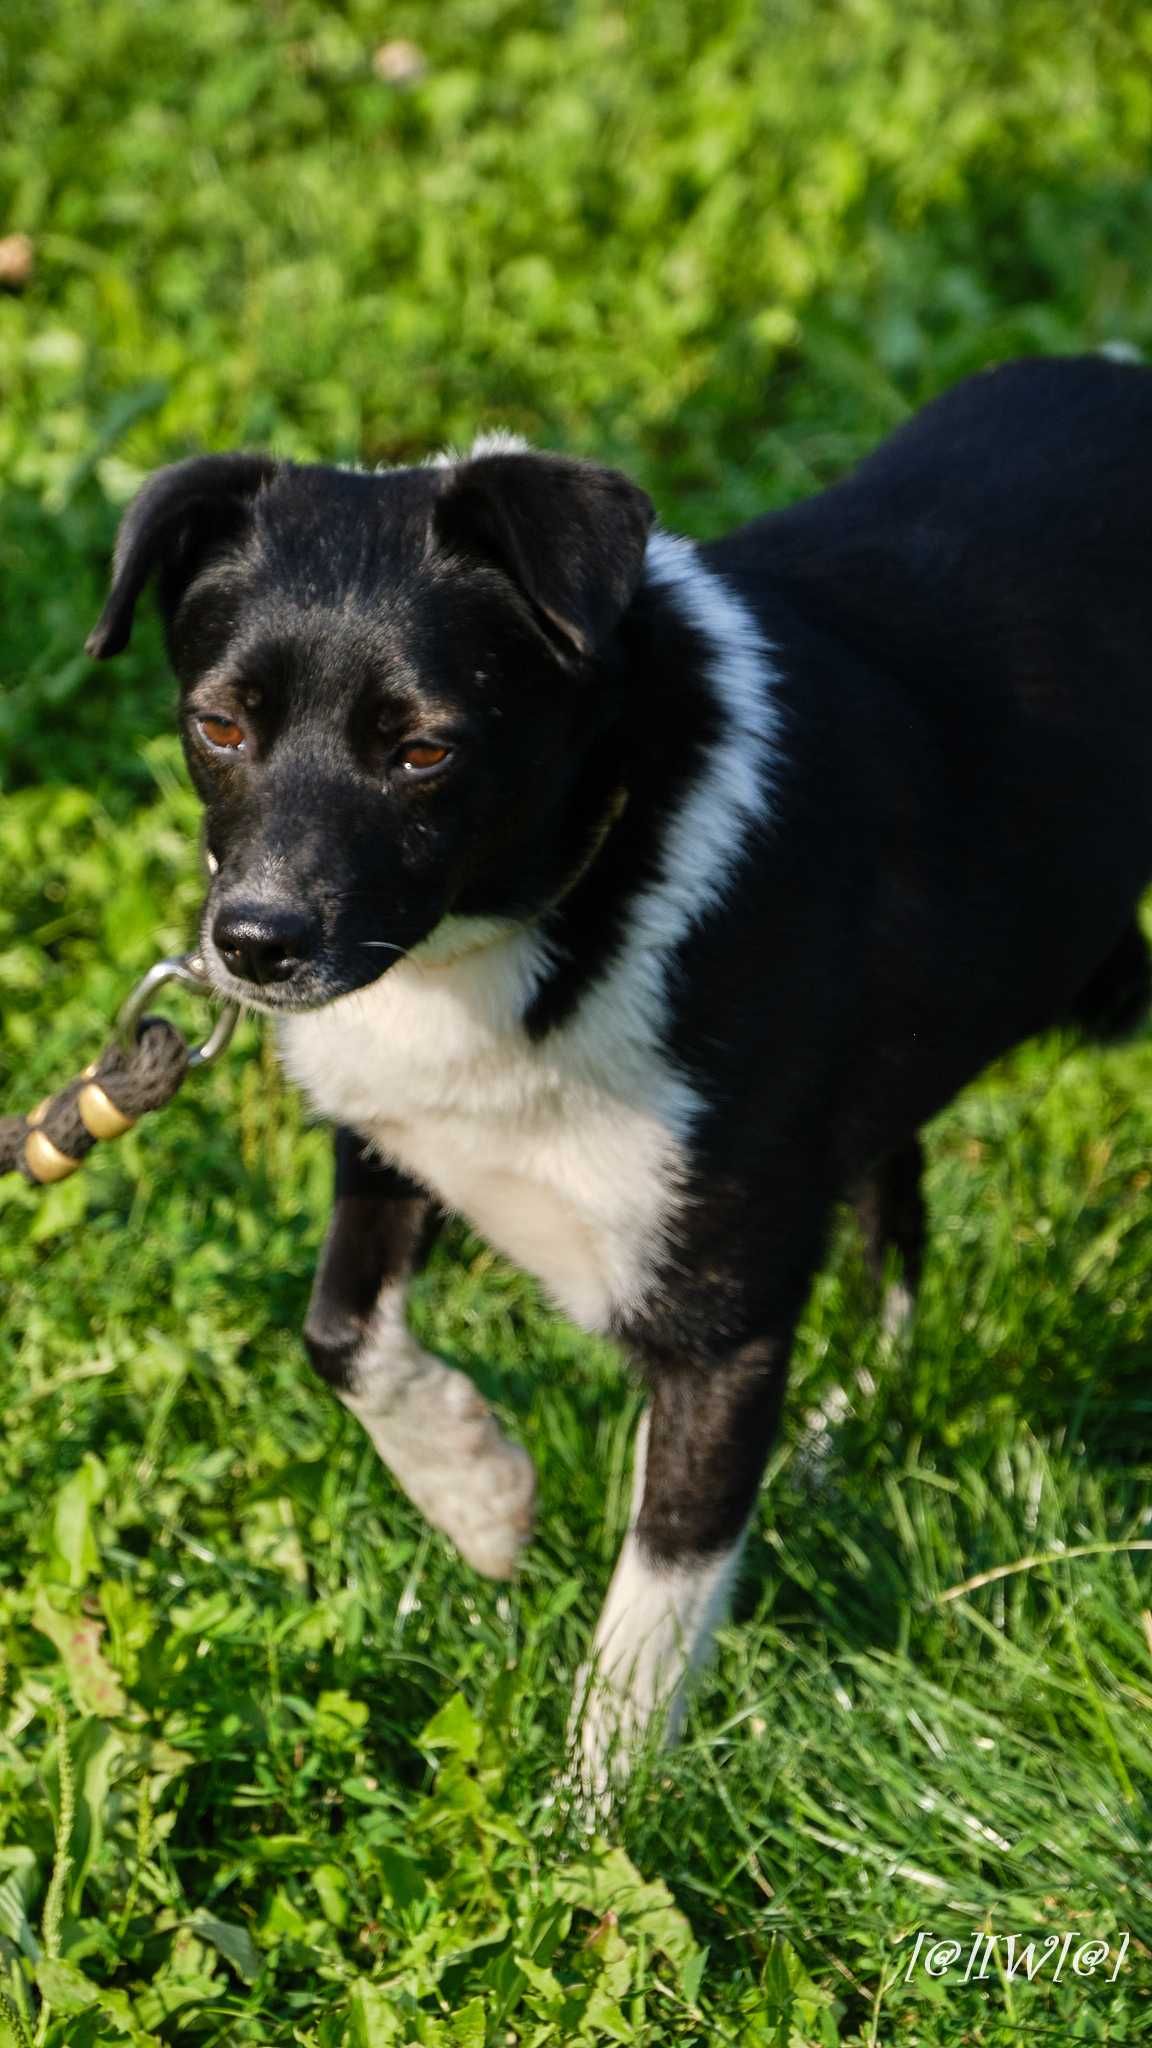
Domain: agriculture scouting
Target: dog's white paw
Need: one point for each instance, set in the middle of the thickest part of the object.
(440, 1440)
(897, 1309)
(656, 1626)
(605, 1734)
(589, 1791)
(485, 1505)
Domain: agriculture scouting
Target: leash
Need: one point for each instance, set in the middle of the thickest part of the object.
(145, 1063)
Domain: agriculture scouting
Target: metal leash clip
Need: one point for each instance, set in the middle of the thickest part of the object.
(187, 969)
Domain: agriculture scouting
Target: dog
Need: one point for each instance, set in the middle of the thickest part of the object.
(639, 900)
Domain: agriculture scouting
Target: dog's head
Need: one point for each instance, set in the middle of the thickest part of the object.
(398, 691)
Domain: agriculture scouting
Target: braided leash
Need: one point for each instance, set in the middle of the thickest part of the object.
(141, 1069)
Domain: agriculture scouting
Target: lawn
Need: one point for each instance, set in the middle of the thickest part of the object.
(274, 1766)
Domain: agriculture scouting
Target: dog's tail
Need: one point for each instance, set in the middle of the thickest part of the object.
(1115, 1001)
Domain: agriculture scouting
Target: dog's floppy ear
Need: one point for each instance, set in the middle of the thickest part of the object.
(570, 534)
(181, 514)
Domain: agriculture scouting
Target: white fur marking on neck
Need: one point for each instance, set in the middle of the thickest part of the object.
(729, 798)
(569, 1153)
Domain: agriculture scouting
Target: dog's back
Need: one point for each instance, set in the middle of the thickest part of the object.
(963, 631)
(1000, 541)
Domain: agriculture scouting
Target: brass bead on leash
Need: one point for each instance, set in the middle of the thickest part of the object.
(45, 1162)
(99, 1113)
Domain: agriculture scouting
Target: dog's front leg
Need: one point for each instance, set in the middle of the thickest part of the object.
(700, 1454)
(431, 1426)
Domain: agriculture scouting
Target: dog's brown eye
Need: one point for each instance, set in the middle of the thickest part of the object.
(422, 757)
(221, 731)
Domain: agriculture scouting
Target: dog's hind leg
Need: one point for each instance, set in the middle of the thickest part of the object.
(1115, 1001)
(432, 1427)
(890, 1208)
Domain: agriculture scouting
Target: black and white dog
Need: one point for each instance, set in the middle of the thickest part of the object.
(637, 900)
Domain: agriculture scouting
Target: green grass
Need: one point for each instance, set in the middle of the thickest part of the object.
(274, 1768)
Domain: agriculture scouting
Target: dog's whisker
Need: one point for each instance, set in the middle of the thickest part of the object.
(383, 946)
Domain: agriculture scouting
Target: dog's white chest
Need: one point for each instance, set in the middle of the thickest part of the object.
(565, 1155)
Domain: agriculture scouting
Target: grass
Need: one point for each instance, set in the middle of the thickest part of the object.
(274, 1768)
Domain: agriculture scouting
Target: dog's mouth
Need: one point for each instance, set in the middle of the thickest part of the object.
(290, 960)
(300, 984)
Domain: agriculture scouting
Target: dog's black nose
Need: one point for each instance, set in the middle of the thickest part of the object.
(259, 943)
